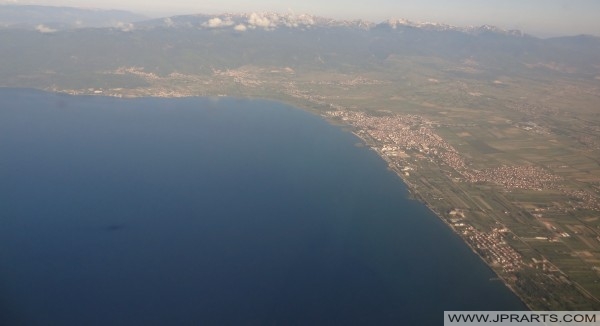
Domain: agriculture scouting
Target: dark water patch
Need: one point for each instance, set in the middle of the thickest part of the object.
(115, 227)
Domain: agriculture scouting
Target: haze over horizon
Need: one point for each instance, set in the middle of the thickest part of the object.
(544, 18)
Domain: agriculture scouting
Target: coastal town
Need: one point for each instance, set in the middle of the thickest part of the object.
(408, 142)
(404, 136)
(400, 134)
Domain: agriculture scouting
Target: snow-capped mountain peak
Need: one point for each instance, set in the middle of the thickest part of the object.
(396, 23)
(272, 20)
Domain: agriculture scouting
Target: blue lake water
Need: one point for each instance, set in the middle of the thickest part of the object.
(214, 212)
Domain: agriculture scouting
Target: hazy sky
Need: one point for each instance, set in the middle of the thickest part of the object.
(538, 17)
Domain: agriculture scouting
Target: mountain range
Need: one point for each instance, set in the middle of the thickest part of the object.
(40, 44)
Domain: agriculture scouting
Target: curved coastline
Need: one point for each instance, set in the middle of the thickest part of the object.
(417, 196)
(315, 109)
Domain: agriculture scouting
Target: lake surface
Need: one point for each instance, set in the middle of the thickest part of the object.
(214, 212)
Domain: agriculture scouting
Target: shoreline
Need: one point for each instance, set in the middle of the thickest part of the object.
(415, 195)
(305, 105)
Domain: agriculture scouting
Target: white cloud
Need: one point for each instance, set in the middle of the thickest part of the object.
(218, 22)
(125, 27)
(169, 22)
(240, 28)
(259, 20)
(44, 29)
(272, 20)
(213, 22)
